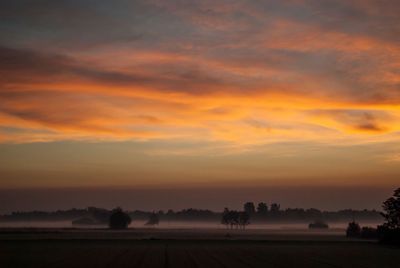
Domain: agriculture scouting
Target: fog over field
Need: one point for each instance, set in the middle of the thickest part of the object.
(180, 225)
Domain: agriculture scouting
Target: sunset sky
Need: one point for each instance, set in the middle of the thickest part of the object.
(296, 102)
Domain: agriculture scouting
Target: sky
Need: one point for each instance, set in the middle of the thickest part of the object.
(183, 103)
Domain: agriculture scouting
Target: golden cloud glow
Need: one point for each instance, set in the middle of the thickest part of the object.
(244, 73)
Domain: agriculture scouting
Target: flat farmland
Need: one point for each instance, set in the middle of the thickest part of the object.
(27, 250)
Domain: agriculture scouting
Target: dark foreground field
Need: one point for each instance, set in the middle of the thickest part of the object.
(48, 249)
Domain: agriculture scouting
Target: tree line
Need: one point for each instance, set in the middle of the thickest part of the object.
(388, 232)
(258, 213)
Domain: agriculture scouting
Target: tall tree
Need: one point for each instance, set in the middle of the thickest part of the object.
(244, 219)
(262, 208)
(391, 209)
(233, 217)
(225, 217)
(249, 208)
(275, 209)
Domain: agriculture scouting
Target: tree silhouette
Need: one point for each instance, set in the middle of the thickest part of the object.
(119, 219)
(392, 211)
(249, 208)
(233, 218)
(243, 219)
(262, 208)
(389, 232)
(225, 217)
(275, 208)
(353, 229)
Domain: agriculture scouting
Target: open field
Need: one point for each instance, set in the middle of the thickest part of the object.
(155, 248)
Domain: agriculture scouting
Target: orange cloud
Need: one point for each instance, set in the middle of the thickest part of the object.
(243, 73)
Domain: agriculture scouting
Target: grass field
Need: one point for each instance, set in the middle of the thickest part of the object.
(78, 249)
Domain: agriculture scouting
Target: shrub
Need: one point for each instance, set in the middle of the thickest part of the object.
(119, 219)
(388, 235)
(369, 233)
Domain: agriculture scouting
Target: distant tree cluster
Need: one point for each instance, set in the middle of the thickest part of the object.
(58, 215)
(240, 219)
(274, 213)
(353, 229)
(262, 209)
(235, 219)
